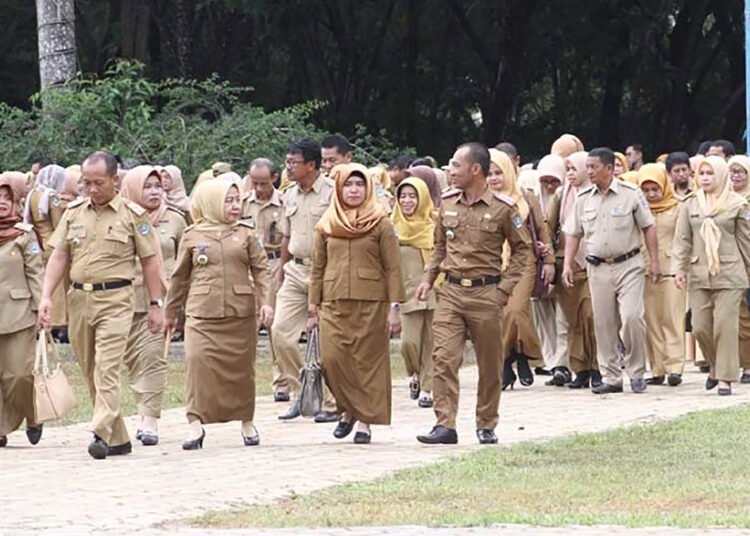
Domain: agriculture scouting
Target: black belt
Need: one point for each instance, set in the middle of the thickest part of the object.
(273, 255)
(300, 260)
(473, 282)
(107, 285)
(596, 261)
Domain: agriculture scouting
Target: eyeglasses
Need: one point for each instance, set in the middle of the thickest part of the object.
(293, 163)
(737, 172)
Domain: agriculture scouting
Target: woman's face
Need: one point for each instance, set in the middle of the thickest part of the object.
(151, 197)
(652, 192)
(408, 200)
(572, 175)
(354, 191)
(738, 176)
(619, 169)
(166, 180)
(232, 205)
(6, 202)
(496, 178)
(707, 178)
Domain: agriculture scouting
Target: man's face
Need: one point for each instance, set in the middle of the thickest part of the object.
(97, 184)
(261, 181)
(462, 169)
(35, 168)
(681, 174)
(634, 157)
(296, 167)
(396, 174)
(716, 150)
(599, 173)
(332, 157)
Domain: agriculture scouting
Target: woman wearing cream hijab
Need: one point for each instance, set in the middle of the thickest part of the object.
(220, 269)
(520, 341)
(739, 171)
(712, 257)
(664, 303)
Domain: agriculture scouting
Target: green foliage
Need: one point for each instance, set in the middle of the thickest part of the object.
(188, 122)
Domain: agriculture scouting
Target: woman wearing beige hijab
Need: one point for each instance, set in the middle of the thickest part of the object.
(739, 170)
(220, 268)
(356, 278)
(712, 257)
(174, 188)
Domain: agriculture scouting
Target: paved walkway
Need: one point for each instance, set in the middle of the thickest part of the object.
(57, 488)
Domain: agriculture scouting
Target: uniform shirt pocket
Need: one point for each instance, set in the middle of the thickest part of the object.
(75, 237)
(20, 294)
(450, 222)
(488, 226)
(115, 240)
(369, 273)
(621, 221)
(243, 289)
(290, 211)
(588, 222)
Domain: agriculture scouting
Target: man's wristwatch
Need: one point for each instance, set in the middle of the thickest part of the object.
(157, 303)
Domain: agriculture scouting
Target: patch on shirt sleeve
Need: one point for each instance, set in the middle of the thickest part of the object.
(34, 249)
(746, 214)
(517, 221)
(144, 228)
(644, 203)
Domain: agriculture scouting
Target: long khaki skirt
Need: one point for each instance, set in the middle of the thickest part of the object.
(220, 355)
(355, 356)
(16, 379)
(519, 332)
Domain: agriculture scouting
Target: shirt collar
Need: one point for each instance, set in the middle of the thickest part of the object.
(486, 197)
(115, 203)
(614, 187)
(275, 198)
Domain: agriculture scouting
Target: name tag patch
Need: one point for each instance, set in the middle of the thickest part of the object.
(144, 228)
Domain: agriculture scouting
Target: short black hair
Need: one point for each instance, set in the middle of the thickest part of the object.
(478, 154)
(308, 148)
(704, 147)
(605, 155)
(508, 148)
(338, 142)
(421, 161)
(43, 161)
(677, 158)
(402, 161)
(637, 147)
(108, 158)
(726, 146)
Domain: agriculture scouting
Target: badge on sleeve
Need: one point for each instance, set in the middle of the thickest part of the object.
(34, 249)
(144, 228)
(56, 201)
(644, 203)
(746, 214)
(517, 221)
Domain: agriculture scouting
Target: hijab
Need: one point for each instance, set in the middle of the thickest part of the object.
(19, 182)
(342, 221)
(510, 182)
(624, 161)
(49, 181)
(551, 165)
(72, 178)
(417, 230)
(207, 206)
(658, 175)
(380, 176)
(177, 196)
(528, 179)
(744, 161)
(630, 176)
(711, 204)
(427, 174)
(8, 230)
(569, 194)
(566, 145)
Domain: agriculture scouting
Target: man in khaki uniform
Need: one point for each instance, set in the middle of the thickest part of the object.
(264, 208)
(304, 204)
(334, 150)
(609, 216)
(471, 228)
(97, 240)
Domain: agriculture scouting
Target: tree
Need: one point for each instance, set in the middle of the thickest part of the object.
(57, 41)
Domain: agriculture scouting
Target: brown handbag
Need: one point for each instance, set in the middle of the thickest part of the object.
(53, 396)
(541, 289)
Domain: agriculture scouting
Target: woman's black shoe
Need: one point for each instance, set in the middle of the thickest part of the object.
(725, 391)
(655, 380)
(343, 429)
(194, 444)
(34, 433)
(596, 378)
(509, 377)
(525, 376)
(711, 383)
(745, 377)
(252, 441)
(362, 438)
(581, 381)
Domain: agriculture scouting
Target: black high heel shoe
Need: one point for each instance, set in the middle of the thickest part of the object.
(525, 376)
(582, 380)
(194, 444)
(509, 377)
(711, 383)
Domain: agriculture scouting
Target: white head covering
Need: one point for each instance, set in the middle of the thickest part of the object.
(51, 179)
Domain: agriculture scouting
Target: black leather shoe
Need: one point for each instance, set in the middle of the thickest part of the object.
(120, 450)
(148, 438)
(425, 401)
(581, 381)
(138, 434)
(194, 444)
(343, 429)
(292, 413)
(362, 438)
(725, 391)
(509, 377)
(638, 385)
(34, 433)
(414, 388)
(745, 377)
(541, 371)
(327, 416)
(711, 383)
(525, 376)
(486, 437)
(655, 380)
(98, 449)
(439, 435)
(253, 440)
(705, 368)
(674, 379)
(605, 388)
(3, 441)
(560, 376)
(280, 396)
(596, 378)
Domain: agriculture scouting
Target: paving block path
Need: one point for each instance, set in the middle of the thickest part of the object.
(55, 487)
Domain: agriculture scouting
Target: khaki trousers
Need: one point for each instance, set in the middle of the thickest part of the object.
(665, 326)
(543, 314)
(16, 379)
(477, 310)
(278, 380)
(716, 328)
(744, 335)
(416, 345)
(575, 303)
(98, 327)
(617, 300)
(290, 320)
(147, 366)
(561, 358)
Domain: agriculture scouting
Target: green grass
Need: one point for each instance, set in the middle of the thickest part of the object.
(691, 472)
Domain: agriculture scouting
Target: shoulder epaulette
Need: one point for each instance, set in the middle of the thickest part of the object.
(450, 193)
(508, 200)
(628, 185)
(247, 223)
(25, 227)
(135, 207)
(689, 196)
(77, 202)
(188, 228)
(177, 210)
(584, 192)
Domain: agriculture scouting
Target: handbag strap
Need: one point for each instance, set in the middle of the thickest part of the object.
(312, 350)
(41, 364)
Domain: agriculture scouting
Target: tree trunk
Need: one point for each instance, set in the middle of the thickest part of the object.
(57, 41)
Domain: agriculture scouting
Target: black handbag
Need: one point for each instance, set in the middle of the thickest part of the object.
(311, 377)
(541, 289)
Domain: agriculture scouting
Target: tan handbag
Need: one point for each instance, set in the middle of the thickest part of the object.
(53, 396)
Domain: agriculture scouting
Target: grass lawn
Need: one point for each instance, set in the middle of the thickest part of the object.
(691, 472)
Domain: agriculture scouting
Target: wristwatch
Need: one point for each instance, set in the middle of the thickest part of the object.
(395, 305)
(156, 303)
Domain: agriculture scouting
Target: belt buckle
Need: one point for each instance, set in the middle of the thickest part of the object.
(609, 260)
(466, 282)
(88, 287)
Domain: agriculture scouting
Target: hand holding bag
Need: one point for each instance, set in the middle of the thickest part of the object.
(541, 289)
(53, 396)
(311, 377)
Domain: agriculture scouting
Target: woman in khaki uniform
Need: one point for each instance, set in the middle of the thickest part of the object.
(575, 301)
(520, 341)
(220, 267)
(145, 357)
(415, 229)
(739, 170)
(356, 275)
(20, 289)
(712, 247)
(664, 303)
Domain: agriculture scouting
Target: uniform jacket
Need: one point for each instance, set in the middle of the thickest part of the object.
(21, 270)
(412, 270)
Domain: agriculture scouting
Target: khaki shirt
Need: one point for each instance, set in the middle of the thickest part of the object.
(689, 249)
(21, 281)
(469, 238)
(219, 274)
(610, 223)
(44, 227)
(665, 223)
(103, 244)
(366, 268)
(267, 219)
(302, 210)
(412, 270)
